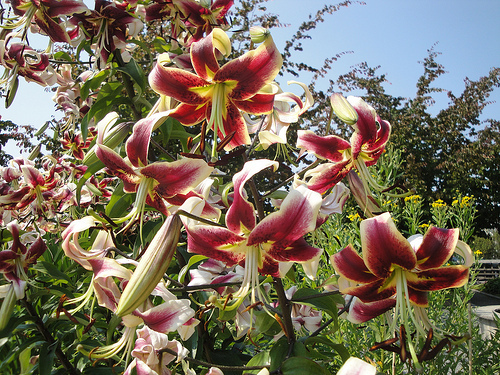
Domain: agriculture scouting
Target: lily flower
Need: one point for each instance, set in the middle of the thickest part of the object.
(152, 182)
(287, 109)
(394, 271)
(35, 187)
(47, 15)
(166, 317)
(110, 24)
(204, 15)
(147, 360)
(269, 247)
(216, 93)
(14, 262)
(365, 147)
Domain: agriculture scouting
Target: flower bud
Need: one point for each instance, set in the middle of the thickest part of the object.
(151, 267)
(8, 304)
(258, 34)
(343, 109)
(362, 196)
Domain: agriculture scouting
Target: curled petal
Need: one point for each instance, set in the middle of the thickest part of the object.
(437, 247)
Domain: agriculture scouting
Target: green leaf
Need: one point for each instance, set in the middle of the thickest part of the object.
(93, 83)
(278, 353)
(61, 55)
(327, 303)
(46, 358)
(301, 366)
(339, 348)
(119, 202)
(160, 45)
(193, 260)
(134, 71)
(50, 269)
(261, 359)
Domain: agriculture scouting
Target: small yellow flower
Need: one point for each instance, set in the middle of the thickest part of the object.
(438, 203)
(455, 202)
(354, 217)
(478, 252)
(413, 198)
(424, 225)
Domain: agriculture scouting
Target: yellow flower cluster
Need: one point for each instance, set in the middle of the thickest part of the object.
(424, 225)
(354, 217)
(413, 198)
(438, 203)
(478, 252)
(465, 202)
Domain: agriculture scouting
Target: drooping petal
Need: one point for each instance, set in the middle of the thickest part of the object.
(370, 292)
(178, 177)
(252, 70)
(438, 278)
(216, 243)
(384, 246)
(188, 114)
(356, 366)
(437, 247)
(168, 316)
(117, 165)
(326, 176)
(295, 218)
(350, 265)
(178, 84)
(137, 145)
(299, 252)
(360, 312)
(329, 147)
(240, 217)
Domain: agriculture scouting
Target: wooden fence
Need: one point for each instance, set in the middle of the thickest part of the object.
(488, 269)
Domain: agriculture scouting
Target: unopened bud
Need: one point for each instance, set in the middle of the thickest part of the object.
(343, 109)
(8, 304)
(153, 264)
(362, 196)
(258, 34)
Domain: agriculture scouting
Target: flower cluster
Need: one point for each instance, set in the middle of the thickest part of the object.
(169, 215)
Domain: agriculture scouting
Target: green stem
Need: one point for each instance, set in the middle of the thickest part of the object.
(68, 366)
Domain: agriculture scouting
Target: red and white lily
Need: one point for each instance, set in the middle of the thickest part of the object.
(367, 143)
(216, 93)
(269, 247)
(394, 271)
(152, 182)
(287, 109)
(47, 14)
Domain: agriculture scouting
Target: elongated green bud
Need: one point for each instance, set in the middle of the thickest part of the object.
(8, 304)
(152, 266)
(343, 109)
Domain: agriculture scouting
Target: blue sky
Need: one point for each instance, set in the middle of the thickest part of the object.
(394, 34)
